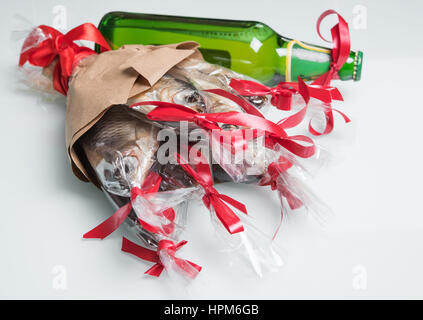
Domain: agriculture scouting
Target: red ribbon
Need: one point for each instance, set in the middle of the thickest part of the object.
(63, 47)
(282, 93)
(173, 112)
(188, 267)
(340, 53)
(306, 92)
(150, 186)
(213, 198)
(274, 170)
(319, 89)
(167, 111)
(275, 134)
(324, 93)
(340, 50)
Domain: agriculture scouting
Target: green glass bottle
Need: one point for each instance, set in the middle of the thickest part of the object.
(248, 47)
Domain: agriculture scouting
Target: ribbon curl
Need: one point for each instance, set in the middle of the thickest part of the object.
(282, 95)
(274, 132)
(340, 50)
(213, 198)
(319, 89)
(150, 186)
(62, 47)
(340, 53)
(189, 268)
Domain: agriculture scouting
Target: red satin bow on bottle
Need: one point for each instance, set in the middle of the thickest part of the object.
(150, 186)
(340, 53)
(61, 46)
(213, 198)
(272, 178)
(340, 50)
(189, 268)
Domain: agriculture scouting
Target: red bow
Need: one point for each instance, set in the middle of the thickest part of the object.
(282, 98)
(275, 134)
(341, 47)
(213, 198)
(274, 171)
(167, 111)
(150, 186)
(306, 92)
(282, 93)
(340, 53)
(63, 47)
(325, 94)
(188, 267)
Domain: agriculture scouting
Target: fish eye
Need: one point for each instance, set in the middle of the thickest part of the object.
(192, 98)
(189, 98)
(256, 100)
(107, 174)
(116, 174)
(130, 164)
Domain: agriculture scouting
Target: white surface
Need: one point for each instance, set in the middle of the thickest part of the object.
(375, 192)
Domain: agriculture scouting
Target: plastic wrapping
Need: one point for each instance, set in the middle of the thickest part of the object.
(122, 148)
(206, 76)
(187, 85)
(181, 272)
(287, 176)
(234, 228)
(251, 245)
(164, 258)
(164, 213)
(248, 160)
(34, 77)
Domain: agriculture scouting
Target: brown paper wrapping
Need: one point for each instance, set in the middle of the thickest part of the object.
(110, 78)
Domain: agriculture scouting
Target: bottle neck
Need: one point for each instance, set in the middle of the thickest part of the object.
(309, 62)
(351, 70)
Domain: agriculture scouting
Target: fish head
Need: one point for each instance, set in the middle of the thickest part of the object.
(121, 149)
(120, 170)
(182, 92)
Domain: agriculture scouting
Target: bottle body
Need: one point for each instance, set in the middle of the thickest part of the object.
(248, 47)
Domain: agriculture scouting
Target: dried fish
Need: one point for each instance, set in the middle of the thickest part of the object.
(121, 147)
(171, 89)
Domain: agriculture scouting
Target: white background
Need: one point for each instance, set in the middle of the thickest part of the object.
(375, 191)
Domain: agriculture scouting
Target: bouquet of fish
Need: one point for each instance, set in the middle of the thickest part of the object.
(156, 126)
